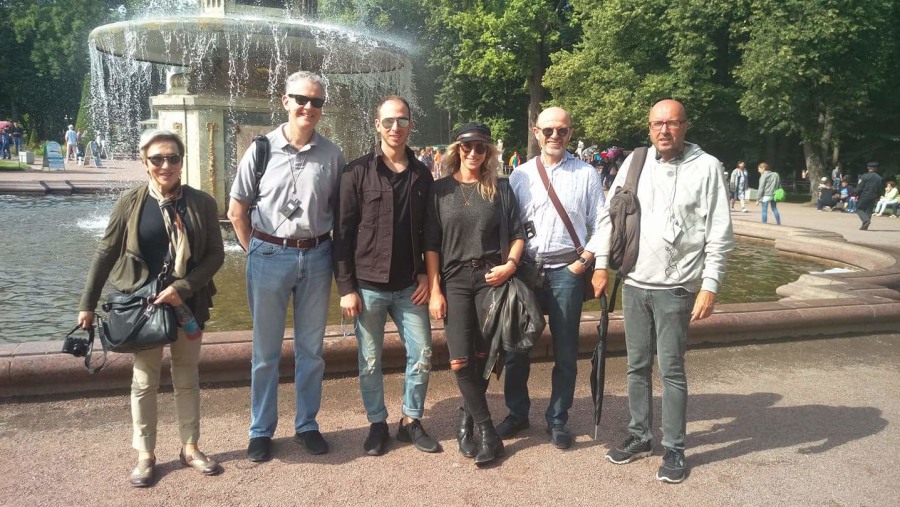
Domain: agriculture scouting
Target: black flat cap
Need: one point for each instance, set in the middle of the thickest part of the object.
(473, 132)
(872, 164)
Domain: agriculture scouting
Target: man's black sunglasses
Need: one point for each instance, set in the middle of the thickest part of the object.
(303, 99)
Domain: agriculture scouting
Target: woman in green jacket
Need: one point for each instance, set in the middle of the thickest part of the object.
(144, 223)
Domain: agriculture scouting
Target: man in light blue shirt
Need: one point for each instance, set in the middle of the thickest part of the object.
(580, 192)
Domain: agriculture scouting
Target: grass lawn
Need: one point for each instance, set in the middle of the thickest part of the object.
(12, 165)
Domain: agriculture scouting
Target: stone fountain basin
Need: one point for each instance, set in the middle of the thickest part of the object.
(203, 40)
(819, 305)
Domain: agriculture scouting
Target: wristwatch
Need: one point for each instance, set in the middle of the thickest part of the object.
(583, 261)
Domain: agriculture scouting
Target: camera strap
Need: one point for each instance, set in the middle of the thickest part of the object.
(89, 354)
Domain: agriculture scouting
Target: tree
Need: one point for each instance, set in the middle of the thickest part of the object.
(636, 52)
(812, 67)
(489, 48)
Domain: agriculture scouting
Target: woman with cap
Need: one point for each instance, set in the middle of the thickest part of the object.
(464, 258)
(159, 220)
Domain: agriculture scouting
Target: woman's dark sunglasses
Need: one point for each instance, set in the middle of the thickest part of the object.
(157, 160)
(562, 131)
(303, 99)
(388, 123)
(480, 148)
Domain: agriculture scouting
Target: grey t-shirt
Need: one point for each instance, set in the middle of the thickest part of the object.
(309, 175)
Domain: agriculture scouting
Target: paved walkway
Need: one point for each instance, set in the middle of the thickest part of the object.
(796, 423)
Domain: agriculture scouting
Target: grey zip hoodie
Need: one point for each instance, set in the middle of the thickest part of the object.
(686, 229)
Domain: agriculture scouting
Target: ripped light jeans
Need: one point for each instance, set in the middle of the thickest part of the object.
(414, 326)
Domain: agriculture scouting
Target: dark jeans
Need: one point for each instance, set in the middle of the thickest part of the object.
(465, 292)
(561, 300)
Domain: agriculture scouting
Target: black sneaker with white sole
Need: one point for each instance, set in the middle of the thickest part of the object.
(630, 450)
(672, 468)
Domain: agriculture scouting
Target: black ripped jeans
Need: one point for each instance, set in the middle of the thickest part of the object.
(465, 291)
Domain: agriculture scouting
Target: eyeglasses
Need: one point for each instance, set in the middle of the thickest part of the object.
(388, 123)
(656, 126)
(157, 160)
(303, 99)
(480, 148)
(562, 131)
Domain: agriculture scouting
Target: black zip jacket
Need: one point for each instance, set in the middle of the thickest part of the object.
(364, 221)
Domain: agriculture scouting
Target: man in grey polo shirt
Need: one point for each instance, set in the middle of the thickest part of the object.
(287, 237)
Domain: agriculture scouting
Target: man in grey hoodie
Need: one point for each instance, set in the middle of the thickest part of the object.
(684, 240)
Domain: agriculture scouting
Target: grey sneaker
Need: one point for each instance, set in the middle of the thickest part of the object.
(672, 468)
(630, 450)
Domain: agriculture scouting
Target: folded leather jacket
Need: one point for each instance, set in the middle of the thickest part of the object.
(513, 322)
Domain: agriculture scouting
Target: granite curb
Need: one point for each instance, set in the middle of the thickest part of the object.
(868, 301)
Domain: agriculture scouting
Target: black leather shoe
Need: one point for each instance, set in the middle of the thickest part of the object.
(560, 436)
(377, 439)
(464, 436)
(260, 449)
(511, 426)
(313, 441)
(415, 433)
(490, 446)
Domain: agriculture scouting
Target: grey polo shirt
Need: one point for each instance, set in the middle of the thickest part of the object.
(310, 175)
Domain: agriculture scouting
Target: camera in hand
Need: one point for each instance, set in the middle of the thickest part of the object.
(78, 346)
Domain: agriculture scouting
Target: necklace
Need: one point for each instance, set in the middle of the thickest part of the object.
(462, 190)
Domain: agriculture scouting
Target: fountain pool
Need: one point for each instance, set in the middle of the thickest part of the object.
(50, 241)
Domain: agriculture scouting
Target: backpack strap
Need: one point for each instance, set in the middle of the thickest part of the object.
(638, 158)
(260, 162)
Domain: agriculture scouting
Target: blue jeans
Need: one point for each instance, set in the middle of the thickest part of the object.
(414, 326)
(561, 299)
(274, 275)
(765, 208)
(656, 322)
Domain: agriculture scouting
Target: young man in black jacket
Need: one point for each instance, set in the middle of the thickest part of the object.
(379, 267)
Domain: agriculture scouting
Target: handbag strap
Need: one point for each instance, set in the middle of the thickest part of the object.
(504, 223)
(558, 205)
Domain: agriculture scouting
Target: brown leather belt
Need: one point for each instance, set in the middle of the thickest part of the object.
(302, 244)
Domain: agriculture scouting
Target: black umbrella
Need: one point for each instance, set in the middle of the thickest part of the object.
(598, 364)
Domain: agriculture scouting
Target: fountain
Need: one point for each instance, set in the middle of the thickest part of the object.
(218, 75)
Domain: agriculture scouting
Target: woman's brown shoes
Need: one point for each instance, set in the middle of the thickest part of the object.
(142, 475)
(198, 461)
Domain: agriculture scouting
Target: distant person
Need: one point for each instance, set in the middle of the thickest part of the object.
(287, 238)
(18, 137)
(837, 175)
(514, 160)
(94, 151)
(436, 166)
(159, 219)
(739, 184)
(71, 138)
(828, 196)
(847, 197)
(380, 270)
(5, 142)
(888, 200)
(867, 191)
(769, 182)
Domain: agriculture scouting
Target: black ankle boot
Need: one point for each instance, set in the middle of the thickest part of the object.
(464, 434)
(490, 447)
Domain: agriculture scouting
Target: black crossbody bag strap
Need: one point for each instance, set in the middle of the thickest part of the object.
(558, 205)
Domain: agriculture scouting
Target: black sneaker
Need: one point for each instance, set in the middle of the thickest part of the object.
(259, 449)
(415, 433)
(377, 439)
(672, 468)
(511, 426)
(632, 449)
(313, 441)
(560, 436)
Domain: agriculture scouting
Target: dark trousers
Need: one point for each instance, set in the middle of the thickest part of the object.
(561, 299)
(465, 292)
(864, 210)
